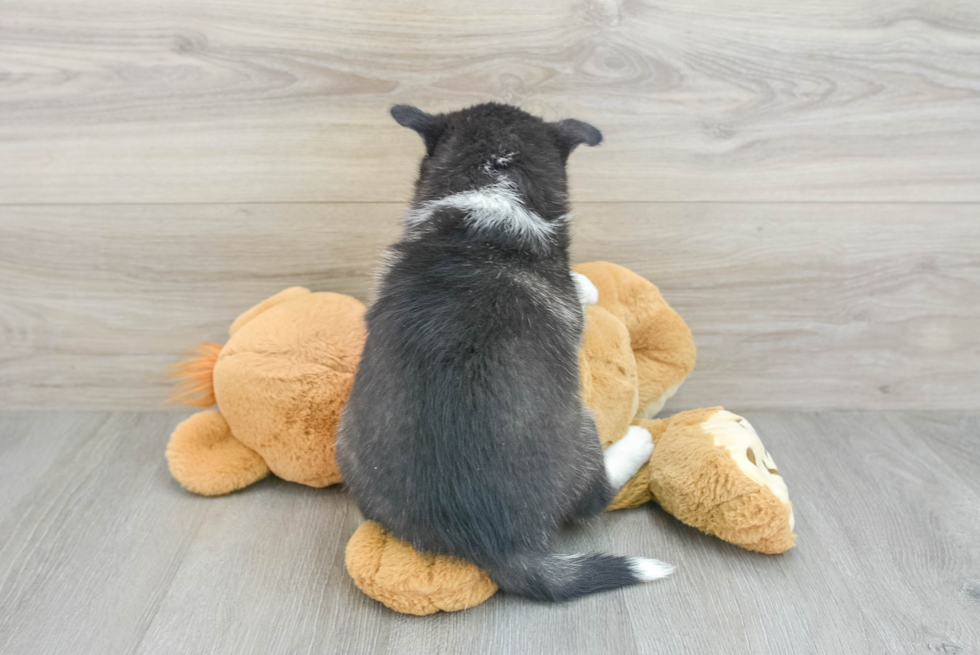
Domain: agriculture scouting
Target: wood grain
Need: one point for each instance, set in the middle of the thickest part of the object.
(24, 460)
(792, 305)
(892, 518)
(811, 305)
(106, 554)
(218, 101)
(87, 554)
(944, 433)
(98, 300)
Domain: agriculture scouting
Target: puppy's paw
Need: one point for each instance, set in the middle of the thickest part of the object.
(640, 442)
(587, 292)
(625, 457)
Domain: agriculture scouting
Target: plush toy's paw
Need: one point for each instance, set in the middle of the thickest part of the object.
(625, 457)
(587, 292)
(607, 371)
(661, 342)
(207, 459)
(653, 408)
(389, 570)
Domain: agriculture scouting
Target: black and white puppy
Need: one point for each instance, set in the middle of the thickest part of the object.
(465, 433)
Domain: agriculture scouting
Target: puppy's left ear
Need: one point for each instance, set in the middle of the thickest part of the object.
(430, 127)
(572, 132)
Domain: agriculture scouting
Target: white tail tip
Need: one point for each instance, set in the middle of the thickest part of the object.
(648, 570)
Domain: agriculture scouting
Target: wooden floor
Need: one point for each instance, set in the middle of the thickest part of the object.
(102, 552)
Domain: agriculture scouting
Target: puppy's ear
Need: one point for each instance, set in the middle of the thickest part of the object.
(429, 127)
(572, 132)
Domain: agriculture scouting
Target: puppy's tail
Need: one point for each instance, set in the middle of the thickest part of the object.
(558, 578)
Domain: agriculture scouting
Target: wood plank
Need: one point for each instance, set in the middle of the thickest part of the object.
(107, 308)
(900, 528)
(275, 553)
(224, 101)
(811, 305)
(24, 458)
(955, 438)
(107, 554)
(792, 305)
(88, 553)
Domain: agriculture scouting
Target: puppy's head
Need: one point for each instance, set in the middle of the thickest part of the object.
(491, 144)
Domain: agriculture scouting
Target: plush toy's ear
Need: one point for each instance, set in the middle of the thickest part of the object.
(572, 132)
(430, 127)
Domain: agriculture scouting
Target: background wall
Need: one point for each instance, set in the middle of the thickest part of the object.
(801, 179)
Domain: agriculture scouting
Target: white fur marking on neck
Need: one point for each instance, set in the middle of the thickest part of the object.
(492, 207)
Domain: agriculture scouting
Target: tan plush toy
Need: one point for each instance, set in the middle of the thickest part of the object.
(282, 379)
(280, 383)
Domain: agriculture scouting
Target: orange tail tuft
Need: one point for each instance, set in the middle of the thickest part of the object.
(194, 376)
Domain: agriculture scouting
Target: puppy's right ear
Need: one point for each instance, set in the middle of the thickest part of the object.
(429, 127)
(572, 133)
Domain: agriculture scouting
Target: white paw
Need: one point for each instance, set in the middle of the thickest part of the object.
(625, 457)
(587, 292)
(640, 442)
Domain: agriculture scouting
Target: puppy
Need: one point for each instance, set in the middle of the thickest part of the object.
(465, 433)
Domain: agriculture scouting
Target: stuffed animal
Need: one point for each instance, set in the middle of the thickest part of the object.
(281, 381)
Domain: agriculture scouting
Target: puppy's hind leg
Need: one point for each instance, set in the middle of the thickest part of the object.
(594, 494)
(625, 457)
(622, 460)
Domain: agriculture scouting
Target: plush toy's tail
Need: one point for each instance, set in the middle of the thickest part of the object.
(557, 578)
(194, 376)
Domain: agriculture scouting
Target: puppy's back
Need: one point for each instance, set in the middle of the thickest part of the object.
(471, 381)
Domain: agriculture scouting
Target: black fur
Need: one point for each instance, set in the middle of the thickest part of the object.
(465, 433)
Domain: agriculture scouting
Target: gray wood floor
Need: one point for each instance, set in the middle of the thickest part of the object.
(101, 552)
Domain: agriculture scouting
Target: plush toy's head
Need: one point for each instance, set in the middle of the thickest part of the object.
(710, 470)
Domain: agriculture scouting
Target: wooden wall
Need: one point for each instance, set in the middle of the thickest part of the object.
(801, 179)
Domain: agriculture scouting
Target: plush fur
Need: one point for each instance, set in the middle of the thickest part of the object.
(465, 433)
(281, 382)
